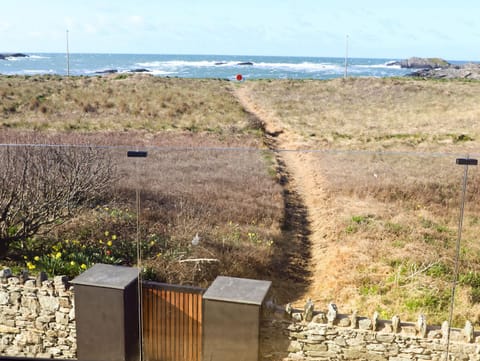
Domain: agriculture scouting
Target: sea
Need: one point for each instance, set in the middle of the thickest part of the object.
(201, 66)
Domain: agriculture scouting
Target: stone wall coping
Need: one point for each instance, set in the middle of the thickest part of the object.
(374, 323)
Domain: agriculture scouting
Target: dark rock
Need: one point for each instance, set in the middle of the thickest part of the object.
(17, 55)
(245, 63)
(393, 63)
(140, 70)
(220, 63)
(422, 73)
(6, 273)
(42, 276)
(107, 71)
(466, 71)
(5, 56)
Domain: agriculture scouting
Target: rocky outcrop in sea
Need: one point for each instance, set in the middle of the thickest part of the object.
(437, 68)
(466, 71)
(5, 56)
(421, 63)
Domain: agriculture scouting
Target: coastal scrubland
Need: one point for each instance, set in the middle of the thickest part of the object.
(343, 190)
(383, 189)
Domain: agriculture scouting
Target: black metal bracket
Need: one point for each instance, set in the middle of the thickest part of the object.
(466, 161)
(137, 154)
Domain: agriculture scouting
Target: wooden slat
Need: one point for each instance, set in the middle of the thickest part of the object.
(163, 326)
(156, 303)
(185, 338)
(198, 339)
(190, 327)
(168, 323)
(172, 323)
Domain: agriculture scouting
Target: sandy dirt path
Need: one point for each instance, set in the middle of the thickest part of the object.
(327, 261)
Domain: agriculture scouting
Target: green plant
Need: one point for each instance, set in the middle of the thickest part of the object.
(369, 290)
(471, 278)
(356, 222)
(395, 228)
(428, 301)
(70, 257)
(439, 270)
(360, 219)
(121, 76)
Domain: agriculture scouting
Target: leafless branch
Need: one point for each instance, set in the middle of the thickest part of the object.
(41, 187)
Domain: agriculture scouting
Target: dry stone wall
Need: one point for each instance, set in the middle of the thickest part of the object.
(290, 336)
(37, 317)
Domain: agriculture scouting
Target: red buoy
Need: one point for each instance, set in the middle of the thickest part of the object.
(239, 77)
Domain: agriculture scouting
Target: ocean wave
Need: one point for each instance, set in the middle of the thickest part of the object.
(305, 66)
(302, 67)
(387, 65)
(176, 64)
(37, 71)
(195, 64)
(161, 72)
(38, 57)
(23, 58)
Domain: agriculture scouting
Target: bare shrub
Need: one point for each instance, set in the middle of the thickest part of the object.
(42, 187)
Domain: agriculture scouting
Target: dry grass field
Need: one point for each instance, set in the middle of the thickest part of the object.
(357, 200)
(120, 103)
(383, 193)
(375, 114)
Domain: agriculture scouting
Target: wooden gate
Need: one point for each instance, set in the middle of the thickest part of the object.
(172, 322)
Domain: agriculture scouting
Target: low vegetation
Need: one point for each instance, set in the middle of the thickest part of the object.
(120, 103)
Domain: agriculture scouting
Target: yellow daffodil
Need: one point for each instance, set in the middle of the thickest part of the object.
(109, 243)
(83, 266)
(36, 258)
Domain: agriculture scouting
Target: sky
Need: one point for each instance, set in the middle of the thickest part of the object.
(320, 28)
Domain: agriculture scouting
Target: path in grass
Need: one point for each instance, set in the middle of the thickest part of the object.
(322, 274)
